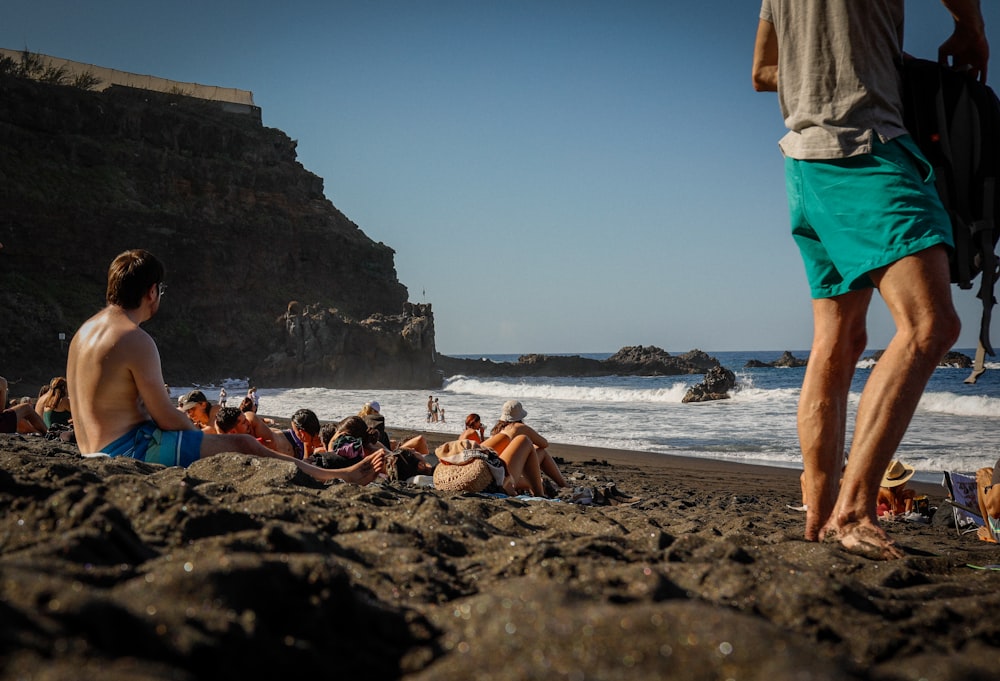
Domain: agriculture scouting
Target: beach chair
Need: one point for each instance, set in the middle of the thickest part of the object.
(963, 501)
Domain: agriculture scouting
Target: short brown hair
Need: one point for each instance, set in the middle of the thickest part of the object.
(130, 276)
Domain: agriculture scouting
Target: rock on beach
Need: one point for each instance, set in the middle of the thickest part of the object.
(242, 568)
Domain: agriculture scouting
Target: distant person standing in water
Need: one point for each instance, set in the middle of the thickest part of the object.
(865, 215)
(430, 408)
(223, 395)
(252, 394)
(116, 384)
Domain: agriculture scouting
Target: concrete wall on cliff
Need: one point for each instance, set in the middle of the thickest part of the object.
(241, 226)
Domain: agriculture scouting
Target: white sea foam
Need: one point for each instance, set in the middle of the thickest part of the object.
(955, 426)
(622, 391)
(961, 405)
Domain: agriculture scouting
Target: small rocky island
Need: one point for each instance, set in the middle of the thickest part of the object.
(787, 359)
(635, 360)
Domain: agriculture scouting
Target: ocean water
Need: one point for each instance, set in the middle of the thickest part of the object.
(956, 427)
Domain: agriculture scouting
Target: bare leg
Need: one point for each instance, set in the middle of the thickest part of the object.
(3, 393)
(417, 443)
(916, 291)
(839, 338)
(522, 466)
(360, 473)
(28, 420)
(549, 467)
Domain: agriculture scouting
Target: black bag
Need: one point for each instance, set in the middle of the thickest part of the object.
(955, 120)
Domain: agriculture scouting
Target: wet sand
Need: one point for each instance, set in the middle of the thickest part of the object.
(243, 568)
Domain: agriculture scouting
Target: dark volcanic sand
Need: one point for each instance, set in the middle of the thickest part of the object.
(241, 568)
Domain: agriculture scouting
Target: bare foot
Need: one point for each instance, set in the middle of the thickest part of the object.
(862, 538)
(984, 534)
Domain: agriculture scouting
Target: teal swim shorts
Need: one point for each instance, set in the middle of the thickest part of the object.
(148, 443)
(853, 215)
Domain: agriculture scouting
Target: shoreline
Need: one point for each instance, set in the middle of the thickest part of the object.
(238, 567)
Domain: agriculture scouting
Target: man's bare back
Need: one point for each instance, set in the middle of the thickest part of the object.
(115, 379)
(116, 385)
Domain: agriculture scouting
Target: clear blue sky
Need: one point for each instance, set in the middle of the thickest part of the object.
(554, 175)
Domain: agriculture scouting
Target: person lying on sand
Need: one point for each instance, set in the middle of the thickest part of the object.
(302, 438)
(116, 384)
(511, 424)
(359, 429)
(231, 420)
(988, 495)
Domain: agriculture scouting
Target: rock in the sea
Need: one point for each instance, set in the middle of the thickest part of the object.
(954, 360)
(716, 386)
(787, 359)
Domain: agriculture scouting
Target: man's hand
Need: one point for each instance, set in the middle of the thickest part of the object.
(967, 47)
(765, 58)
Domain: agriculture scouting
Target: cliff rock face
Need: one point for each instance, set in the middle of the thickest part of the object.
(240, 225)
(383, 351)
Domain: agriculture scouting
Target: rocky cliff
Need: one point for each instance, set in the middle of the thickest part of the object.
(241, 226)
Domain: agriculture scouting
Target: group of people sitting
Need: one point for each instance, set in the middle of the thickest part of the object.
(50, 411)
(336, 446)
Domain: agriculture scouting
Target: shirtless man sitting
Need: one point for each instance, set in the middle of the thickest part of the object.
(116, 385)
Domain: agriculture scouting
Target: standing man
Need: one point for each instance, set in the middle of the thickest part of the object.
(223, 396)
(116, 385)
(865, 215)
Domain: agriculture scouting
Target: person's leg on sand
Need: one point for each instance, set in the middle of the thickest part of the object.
(838, 341)
(28, 420)
(916, 291)
(522, 466)
(360, 473)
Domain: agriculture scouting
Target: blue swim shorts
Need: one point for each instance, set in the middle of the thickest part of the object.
(148, 443)
(853, 215)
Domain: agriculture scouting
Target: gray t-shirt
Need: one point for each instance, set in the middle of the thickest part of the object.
(838, 82)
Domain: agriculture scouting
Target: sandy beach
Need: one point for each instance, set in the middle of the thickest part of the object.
(242, 568)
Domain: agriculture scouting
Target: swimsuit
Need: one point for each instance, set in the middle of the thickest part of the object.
(298, 447)
(148, 443)
(53, 417)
